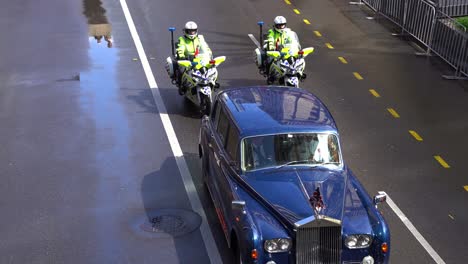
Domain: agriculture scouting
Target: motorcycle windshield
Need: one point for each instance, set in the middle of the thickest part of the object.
(204, 55)
(291, 44)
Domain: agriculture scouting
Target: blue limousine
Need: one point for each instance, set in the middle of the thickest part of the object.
(272, 163)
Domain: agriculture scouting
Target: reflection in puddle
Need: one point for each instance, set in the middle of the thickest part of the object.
(109, 132)
(101, 101)
(98, 25)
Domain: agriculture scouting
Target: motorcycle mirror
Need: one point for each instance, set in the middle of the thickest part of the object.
(172, 29)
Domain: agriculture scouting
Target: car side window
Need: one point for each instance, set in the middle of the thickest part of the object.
(222, 127)
(232, 142)
(215, 115)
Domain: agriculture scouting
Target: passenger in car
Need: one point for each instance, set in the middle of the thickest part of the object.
(260, 153)
(308, 145)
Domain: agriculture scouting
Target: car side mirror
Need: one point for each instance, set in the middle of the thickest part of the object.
(238, 205)
(380, 198)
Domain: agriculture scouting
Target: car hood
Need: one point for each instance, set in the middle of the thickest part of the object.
(289, 190)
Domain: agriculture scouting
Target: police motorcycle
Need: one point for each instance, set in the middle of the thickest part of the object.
(286, 64)
(199, 75)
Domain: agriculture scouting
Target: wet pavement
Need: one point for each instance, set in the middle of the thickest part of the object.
(85, 163)
(87, 172)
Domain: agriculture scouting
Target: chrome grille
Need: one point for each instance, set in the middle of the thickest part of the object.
(318, 243)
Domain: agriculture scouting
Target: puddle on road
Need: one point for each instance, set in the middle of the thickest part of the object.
(103, 104)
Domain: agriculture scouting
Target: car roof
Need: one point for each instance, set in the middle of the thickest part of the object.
(260, 110)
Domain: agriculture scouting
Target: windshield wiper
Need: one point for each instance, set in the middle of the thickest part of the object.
(292, 162)
(305, 161)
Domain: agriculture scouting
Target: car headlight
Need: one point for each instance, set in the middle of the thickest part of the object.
(358, 241)
(277, 245)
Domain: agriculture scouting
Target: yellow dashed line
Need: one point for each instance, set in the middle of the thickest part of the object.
(343, 60)
(374, 93)
(317, 33)
(297, 11)
(287, 2)
(393, 112)
(415, 135)
(329, 46)
(306, 21)
(442, 162)
(466, 187)
(357, 75)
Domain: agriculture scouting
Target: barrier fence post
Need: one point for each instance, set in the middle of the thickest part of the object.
(403, 23)
(428, 44)
(431, 34)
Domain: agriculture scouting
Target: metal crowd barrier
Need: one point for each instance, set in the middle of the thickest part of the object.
(453, 8)
(441, 34)
(450, 43)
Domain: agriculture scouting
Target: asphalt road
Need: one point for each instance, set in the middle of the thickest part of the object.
(85, 161)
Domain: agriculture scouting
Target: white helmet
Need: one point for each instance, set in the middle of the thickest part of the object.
(191, 30)
(280, 23)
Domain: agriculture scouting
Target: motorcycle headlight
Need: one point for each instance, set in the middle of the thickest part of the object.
(358, 241)
(277, 245)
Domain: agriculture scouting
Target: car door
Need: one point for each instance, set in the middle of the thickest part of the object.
(216, 140)
(229, 163)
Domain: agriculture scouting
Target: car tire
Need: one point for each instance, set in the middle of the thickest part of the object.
(237, 254)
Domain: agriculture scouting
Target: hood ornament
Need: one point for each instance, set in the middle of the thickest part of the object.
(317, 203)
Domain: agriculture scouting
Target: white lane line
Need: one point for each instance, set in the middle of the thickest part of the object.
(254, 40)
(211, 248)
(415, 232)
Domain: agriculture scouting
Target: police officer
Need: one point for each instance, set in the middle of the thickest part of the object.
(188, 46)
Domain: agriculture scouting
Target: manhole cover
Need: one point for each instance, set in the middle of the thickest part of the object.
(169, 222)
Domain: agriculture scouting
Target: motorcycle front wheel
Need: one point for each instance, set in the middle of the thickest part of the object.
(205, 104)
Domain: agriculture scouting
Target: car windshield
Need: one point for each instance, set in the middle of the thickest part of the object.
(290, 149)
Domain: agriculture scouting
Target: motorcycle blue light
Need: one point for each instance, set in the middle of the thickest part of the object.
(194, 63)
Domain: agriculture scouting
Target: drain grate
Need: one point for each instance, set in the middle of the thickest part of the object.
(170, 222)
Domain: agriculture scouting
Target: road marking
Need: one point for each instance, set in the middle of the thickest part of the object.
(287, 2)
(317, 33)
(342, 60)
(254, 40)
(466, 187)
(442, 162)
(205, 231)
(358, 76)
(297, 11)
(306, 21)
(414, 231)
(329, 45)
(393, 112)
(453, 218)
(374, 93)
(415, 135)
